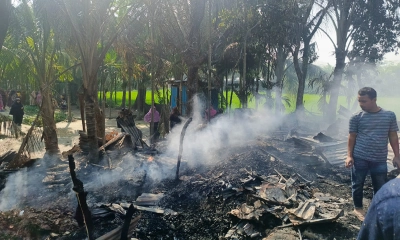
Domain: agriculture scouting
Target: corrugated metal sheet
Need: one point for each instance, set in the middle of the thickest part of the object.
(335, 152)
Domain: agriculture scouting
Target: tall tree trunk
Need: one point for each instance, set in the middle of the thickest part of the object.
(193, 56)
(49, 125)
(279, 72)
(141, 97)
(124, 85)
(192, 86)
(91, 128)
(337, 81)
(100, 120)
(69, 102)
(243, 86)
(301, 73)
(129, 59)
(94, 117)
(232, 86)
(5, 11)
(226, 89)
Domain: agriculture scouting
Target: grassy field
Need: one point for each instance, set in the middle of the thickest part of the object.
(310, 102)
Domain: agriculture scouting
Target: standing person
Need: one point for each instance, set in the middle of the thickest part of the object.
(156, 118)
(1, 104)
(382, 219)
(63, 103)
(212, 112)
(39, 98)
(17, 110)
(12, 94)
(174, 118)
(369, 131)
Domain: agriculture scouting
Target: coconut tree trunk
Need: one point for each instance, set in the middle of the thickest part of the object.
(141, 97)
(49, 125)
(93, 122)
(100, 121)
(91, 128)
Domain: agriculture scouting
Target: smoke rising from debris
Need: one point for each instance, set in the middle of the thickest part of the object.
(14, 191)
(26, 187)
(203, 142)
(203, 145)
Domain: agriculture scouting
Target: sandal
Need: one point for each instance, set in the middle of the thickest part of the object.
(360, 214)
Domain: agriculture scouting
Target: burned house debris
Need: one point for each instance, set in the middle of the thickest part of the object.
(278, 185)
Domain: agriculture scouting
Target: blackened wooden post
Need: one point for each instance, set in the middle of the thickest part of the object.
(127, 223)
(181, 147)
(81, 196)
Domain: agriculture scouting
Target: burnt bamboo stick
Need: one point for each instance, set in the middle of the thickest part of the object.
(127, 222)
(81, 196)
(116, 233)
(181, 147)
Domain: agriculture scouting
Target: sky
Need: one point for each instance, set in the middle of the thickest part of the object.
(326, 50)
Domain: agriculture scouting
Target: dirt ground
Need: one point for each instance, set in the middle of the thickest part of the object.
(67, 132)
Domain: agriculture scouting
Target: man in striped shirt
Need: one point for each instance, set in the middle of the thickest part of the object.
(369, 132)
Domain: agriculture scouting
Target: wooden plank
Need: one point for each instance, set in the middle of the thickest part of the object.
(148, 199)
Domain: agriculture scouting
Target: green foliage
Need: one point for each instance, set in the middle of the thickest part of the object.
(60, 116)
(116, 101)
(31, 110)
(29, 119)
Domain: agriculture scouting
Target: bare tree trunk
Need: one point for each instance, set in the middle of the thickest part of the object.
(49, 125)
(100, 121)
(226, 89)
(301, 73)
(232, 86)
(337, 81)
(82, 110)
(124, 85)
(129, 59)
(91, 128)
(130, 92)
(69, 102)
(279, 72)
(140, 98)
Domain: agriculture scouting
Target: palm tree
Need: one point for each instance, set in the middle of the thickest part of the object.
(40, 45)
(94, 26)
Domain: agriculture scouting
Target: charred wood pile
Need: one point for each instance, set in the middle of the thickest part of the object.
(283, 186)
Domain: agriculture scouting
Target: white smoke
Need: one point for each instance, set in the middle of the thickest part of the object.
(223, 132)
(15, 190)
(201, 142)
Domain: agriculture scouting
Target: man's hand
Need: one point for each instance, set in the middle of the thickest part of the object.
(350, 162)
(396, 162)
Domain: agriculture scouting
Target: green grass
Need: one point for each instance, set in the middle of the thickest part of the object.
(388, 103)
(116, 101)
(310, 102)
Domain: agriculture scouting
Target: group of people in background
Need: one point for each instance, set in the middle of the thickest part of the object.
(35, 98)
(14, 102)
(175, 119)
